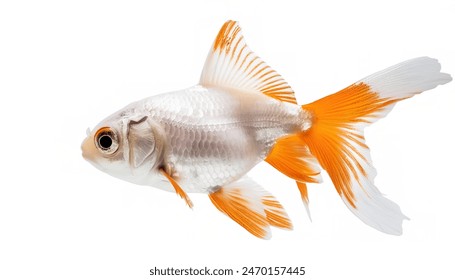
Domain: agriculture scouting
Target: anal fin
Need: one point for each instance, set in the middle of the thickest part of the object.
(304, 195)
(251, 206)
(292, 157)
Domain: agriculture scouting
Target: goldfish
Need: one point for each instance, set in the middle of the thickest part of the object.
(205, 139)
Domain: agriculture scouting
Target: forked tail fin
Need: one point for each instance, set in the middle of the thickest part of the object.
(336, 137)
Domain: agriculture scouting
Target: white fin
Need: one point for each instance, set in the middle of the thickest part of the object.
(407, 78)
(250, 206)
(337, 140)
(231, 64)
(397, 82)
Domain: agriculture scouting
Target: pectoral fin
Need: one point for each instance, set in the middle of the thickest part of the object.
(178, 189)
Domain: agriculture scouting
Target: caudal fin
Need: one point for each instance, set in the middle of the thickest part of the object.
(337, 141)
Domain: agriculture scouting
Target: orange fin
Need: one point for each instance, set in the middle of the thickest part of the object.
(304, 195)
(336, 136)
(251, 207)
(336, 139)
(178, 189)
(275, 213)
(231, 64)
(292, 157)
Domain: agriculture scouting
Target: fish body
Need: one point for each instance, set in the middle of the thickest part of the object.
(214, 136)
(210, 136)
(205, 139)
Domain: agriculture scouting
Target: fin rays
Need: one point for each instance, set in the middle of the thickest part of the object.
(250, 206)
(178, 190)
(336, 137)
(291, 156)
(232, 64)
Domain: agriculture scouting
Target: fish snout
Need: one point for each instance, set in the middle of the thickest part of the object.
(88, 148)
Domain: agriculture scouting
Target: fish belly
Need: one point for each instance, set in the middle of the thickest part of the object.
(215, 136)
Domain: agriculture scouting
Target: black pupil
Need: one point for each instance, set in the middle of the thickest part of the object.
(105, 142)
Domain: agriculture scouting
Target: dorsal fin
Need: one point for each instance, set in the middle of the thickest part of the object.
(231, 64)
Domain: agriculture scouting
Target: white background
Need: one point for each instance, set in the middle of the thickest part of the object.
(66, 65)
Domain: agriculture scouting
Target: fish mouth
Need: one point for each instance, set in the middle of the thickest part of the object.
(84, 145)
(88, 148)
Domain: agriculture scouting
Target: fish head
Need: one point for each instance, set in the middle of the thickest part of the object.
(128, 145)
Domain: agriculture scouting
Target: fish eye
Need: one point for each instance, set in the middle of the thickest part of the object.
(106, 140)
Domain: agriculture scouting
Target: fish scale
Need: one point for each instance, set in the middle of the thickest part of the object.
(217, 130)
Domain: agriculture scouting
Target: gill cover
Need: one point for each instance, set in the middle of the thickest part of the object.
(141, 141)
